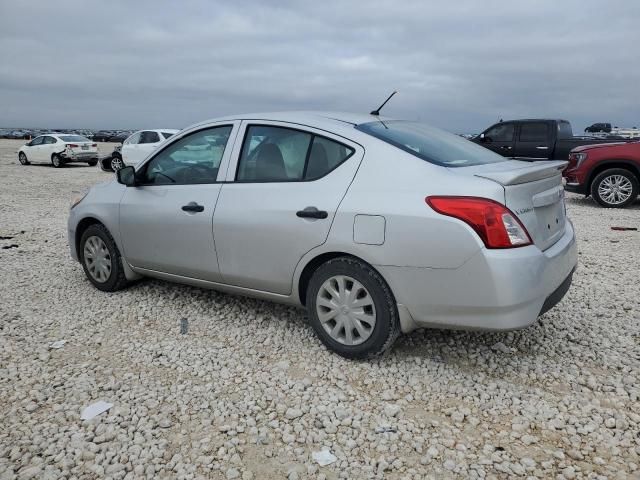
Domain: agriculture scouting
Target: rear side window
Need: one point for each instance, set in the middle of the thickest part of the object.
(565, 131)
(430, 144)
(133, 139)
(149, 137)
(278, 154)
(533, 132)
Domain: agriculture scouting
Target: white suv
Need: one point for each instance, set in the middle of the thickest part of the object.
(140, 144)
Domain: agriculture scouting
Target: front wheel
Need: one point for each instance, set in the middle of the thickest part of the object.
(615, 188)
(22, 158)
(101, 259)
(56, 161)
(116, 163)
(352, 309)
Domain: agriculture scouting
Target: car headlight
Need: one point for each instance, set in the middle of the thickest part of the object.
(580, 157)
(77, 198)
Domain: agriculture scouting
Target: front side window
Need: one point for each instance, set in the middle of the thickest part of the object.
(149, 137)
(430, 144)
(193, 159)
(533, 132)
(133, 139)
(36, 141)
(500, 133)
(49, 140)
(279, 154)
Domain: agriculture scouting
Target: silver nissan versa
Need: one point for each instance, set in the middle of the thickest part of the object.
(376, 226)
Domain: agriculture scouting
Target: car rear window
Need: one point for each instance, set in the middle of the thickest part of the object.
(74, 138)
(431, 144)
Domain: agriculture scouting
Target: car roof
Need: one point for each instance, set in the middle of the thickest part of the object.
(159, 130)
(312, 118)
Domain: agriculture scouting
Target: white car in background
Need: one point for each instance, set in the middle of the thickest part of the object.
(59, 148)
(140, 144)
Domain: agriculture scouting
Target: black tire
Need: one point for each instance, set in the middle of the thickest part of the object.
(57, 161)
(93, 163)
(387, 325)
(22, 158)
(608, 174)
(116, 280)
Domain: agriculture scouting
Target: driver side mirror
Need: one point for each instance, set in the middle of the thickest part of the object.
(127, 176)
(484, 138)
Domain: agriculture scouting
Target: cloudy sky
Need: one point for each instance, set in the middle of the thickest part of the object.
(458, 64)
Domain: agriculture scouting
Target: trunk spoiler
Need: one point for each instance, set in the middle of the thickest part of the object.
(525, 174)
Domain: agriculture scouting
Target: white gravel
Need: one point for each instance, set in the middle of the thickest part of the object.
(250, 393)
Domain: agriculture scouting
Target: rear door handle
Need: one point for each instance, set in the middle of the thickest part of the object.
(539, 147)
(312, 212)
(193, 207)
(505, 147)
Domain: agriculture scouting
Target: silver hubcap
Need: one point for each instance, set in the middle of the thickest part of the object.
(97, 259)
(346, 310)
(56, 161)
(615, 189)
(116, 164)
(22, 158)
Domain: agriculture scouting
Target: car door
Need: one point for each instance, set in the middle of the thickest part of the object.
(34, 150)
(283, 188)
(166, 221)
(49, 147)
(499, 138)
(534, 140)
(129, 147)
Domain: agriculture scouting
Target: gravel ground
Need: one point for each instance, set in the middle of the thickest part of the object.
(249, 392)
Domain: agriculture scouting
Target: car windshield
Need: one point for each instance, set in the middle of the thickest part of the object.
(430, 144)
(74, 138)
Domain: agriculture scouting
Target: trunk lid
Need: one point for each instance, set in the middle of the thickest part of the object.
(533, 192)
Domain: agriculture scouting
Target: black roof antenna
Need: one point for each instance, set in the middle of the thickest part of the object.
(376, 112)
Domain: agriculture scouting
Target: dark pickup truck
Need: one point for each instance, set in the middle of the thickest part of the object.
(534, 139)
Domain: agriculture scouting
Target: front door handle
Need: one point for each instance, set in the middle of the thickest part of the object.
(539, 147)
(193, 207)
(312, 212)
(505, 147)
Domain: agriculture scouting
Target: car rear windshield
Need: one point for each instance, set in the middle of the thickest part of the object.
(430, 144)
(74, 138)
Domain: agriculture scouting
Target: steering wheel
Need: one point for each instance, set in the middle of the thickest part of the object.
(197, 171)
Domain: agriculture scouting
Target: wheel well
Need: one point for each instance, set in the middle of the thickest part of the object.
(307, 272)
(81, 228)
(613, 164)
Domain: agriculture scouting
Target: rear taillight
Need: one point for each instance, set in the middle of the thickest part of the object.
(72, 145)
(494, 223)
(94, 145)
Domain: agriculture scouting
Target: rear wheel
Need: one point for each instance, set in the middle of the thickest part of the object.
(351, 308)
(101, 259)
(57, 161)
(22, 158)
(615, 188)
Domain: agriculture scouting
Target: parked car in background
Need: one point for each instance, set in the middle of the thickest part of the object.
(376, 227)
(113, 162)
(137, 146)
(102, 135)
(610, 173)
(533, 140)
(598, 127)
(59, 149)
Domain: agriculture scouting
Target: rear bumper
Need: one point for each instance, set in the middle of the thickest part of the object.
(494, 290)
(80, 157)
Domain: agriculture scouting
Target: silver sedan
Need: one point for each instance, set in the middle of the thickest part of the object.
(376, 226)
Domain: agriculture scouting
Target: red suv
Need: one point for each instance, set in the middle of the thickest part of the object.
(610, 173)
